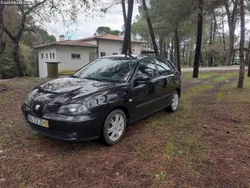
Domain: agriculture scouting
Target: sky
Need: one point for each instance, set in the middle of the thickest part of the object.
(86, 27)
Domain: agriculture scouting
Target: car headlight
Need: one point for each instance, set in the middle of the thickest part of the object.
(29, 98)
(73, 109)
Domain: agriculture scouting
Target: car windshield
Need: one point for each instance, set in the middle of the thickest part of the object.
(107, 69)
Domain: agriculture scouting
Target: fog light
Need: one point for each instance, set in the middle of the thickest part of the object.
(72, 135)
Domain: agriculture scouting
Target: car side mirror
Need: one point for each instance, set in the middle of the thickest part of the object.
(141, 79)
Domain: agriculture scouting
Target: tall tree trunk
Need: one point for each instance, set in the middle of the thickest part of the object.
(125, 20)
(223, 38)
(127, 36)
(15, 40)
(1, 14)
(190, 53)
(198, 41)
(177, 49)
(214, 28)
(232, 18)
(161, 47)
(248, 58)
(190, 58)
(2, 41)
(16, 58)
(150, 27)
(172, 50)
(17, 37)
(242, 43)
(210, 64)
(165, 50)
(231, 45)
(183, 50)
(124, 12)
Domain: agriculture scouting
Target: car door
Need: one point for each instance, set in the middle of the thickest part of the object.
(143, 92)
(164, 82)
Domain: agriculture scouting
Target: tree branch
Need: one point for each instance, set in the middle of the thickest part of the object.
(22, 25)
(8, 33)
(33, 7)
(2, 47)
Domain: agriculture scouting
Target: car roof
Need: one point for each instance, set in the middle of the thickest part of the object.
(124, 56)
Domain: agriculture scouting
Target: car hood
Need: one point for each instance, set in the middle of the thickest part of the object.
(67, 90)
(65, 85)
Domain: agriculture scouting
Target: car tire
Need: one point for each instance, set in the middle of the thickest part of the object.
(175, 102)
(114, 127)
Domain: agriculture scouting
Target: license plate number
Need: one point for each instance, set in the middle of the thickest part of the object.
(38, 121)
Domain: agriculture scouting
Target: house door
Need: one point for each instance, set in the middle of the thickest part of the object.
(92, 56)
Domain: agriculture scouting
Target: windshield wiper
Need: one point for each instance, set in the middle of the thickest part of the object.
(91, 78)
(102, 80)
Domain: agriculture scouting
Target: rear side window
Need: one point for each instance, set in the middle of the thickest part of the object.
(171, 64)
(164, 67)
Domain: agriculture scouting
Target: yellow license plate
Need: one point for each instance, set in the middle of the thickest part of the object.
(38, 121)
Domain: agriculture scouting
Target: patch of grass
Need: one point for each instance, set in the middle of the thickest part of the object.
(186, 100)
(67, 72)
(170, 150)
(190, 138)
(160, 176)
(225, 76)
(202, 75)
(230, 92)
(219, 96)
(206, 75)
(186, 75)
(196, 90)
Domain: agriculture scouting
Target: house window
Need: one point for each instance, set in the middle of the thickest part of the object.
(50, 55)
(75, 56)
(53, 55)
(103, 54)
(42, 56)
(46, 55)
(115, 53)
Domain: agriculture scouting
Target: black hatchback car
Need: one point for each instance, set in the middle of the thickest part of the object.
(102, 97)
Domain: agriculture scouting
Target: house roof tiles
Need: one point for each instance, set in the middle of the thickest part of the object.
(108, 37)
(68, 43)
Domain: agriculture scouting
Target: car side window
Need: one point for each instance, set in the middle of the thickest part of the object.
(147, 69)
(171, 64)
(164, 68)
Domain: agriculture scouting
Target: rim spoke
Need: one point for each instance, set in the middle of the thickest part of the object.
(112, 137)
(110, 130)
(120, 128)
(112, 122)
(121, 121)
(117, 117)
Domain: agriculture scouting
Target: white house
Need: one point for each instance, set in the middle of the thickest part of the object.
(112, 45)
(74, 54)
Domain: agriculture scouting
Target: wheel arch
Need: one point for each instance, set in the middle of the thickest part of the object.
(179, 91)
(124, 109)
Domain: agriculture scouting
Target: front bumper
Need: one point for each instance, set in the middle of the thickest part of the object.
(65, 128)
